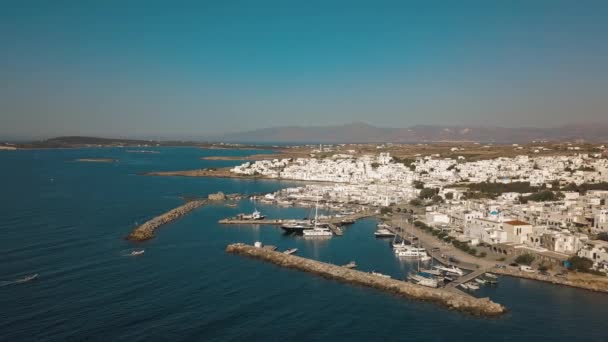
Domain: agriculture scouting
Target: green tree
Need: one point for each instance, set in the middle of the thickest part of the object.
(525, 259)
(580, 264)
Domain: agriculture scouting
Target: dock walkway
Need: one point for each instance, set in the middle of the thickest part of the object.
(466, 278)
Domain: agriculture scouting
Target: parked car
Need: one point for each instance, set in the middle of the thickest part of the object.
(526, 269)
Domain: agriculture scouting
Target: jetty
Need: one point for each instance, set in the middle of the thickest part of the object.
(450, 299)
(146, 230)
(332, 223)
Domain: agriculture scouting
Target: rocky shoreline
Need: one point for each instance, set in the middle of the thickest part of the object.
(146, 230)
(451, 300)
(581, 281)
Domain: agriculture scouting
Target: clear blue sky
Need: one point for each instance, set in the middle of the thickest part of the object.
(146, 68)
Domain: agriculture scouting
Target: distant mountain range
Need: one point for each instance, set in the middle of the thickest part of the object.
(365, 133)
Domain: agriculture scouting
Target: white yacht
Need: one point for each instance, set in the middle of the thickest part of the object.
(414, 252)
(383, 233)
(450, 269)
(317, 231)
(421, 280)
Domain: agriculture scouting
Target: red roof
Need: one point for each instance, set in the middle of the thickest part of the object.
(517, 223)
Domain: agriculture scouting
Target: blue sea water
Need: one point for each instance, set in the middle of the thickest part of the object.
(66, 221)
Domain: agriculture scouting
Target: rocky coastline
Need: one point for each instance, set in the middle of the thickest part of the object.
(577, 280)
(449, 299)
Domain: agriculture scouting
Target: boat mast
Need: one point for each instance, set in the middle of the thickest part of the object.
(316, 211)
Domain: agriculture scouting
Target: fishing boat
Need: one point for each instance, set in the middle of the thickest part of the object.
(256, 215)
(290, 251)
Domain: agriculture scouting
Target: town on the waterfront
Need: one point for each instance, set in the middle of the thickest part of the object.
(304, 170)
(530, 216)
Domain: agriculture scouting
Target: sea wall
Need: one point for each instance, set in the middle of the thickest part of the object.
(578, 280)
(449, 299)
(146, 230)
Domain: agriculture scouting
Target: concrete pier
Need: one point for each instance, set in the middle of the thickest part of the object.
(146, 230)
(449, 299)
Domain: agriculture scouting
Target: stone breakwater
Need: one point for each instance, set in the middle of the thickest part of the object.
(578, 280)
(146, 230)
(452, 300)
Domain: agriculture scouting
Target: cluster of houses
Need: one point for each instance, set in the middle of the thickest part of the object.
(345, 168)
(552, 230)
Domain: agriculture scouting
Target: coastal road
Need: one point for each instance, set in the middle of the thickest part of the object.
(430, 242)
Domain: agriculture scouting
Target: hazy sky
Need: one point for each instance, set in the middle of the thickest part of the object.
(137, 68)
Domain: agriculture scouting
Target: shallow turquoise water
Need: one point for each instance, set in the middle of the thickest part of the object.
(66, 221)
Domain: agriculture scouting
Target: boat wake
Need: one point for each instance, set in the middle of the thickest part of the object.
(132, 252)
(19, 281)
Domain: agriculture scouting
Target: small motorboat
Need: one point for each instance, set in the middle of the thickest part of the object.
(381, 233)
(481, 281)
(27, 278)
(290, 251)
(473, 286)
(464, 286)
(138, 252)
